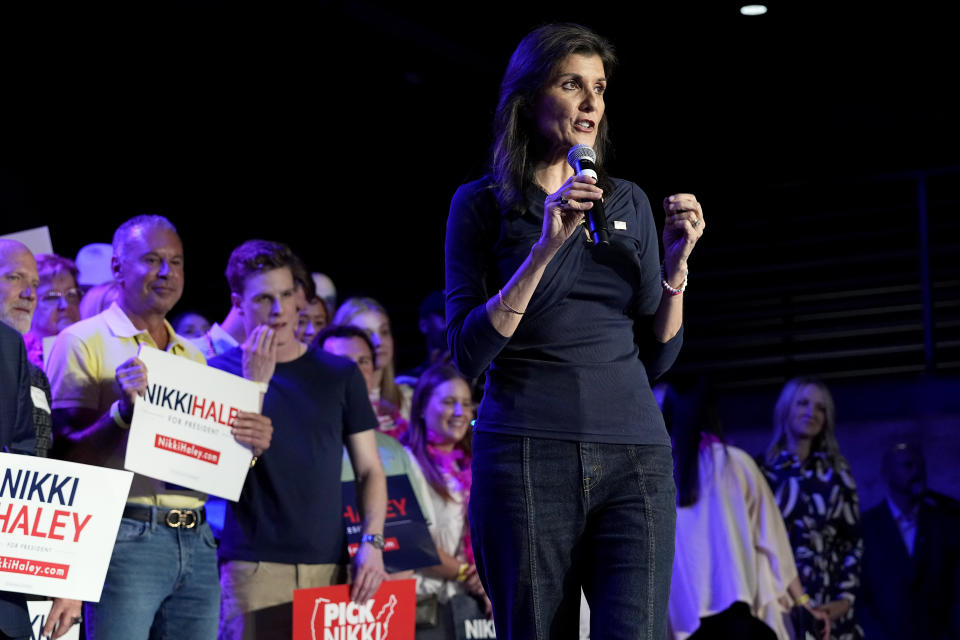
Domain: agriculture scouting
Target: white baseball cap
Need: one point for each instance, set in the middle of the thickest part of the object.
(93, 264)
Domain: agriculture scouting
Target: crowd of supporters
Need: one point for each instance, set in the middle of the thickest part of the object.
(767, 545)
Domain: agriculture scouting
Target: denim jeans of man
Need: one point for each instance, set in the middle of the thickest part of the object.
(550, 516)
(162, 584)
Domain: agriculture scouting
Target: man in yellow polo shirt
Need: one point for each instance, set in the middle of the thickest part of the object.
(163, 576)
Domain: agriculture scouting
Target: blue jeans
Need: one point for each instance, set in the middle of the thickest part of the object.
(162, 584)
(550, 516)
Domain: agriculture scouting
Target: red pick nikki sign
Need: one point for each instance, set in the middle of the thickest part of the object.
(327, 613)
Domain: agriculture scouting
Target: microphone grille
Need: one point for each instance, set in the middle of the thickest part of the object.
(580, 152)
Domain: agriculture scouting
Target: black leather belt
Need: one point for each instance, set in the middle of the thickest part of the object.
(175, 518)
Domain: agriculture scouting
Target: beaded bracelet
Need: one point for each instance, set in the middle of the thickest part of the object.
(505, 305)
(666, 285)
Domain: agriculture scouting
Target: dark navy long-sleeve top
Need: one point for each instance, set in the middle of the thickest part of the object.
(580, 364)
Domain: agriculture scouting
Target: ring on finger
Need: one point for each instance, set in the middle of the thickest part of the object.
(696, 222)
(563, 201)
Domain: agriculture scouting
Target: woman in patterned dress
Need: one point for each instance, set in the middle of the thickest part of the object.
(815, 491)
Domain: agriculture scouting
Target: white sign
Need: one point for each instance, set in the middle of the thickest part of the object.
(39, 610)
(47, 344)
(58, 523)
(37, 239)
(180, 431)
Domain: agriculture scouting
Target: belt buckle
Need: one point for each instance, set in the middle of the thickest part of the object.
(185, 518)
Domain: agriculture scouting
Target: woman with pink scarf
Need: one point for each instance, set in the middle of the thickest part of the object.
(438, 440)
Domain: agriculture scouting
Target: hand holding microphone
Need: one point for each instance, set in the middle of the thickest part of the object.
(576, 202)
(564, 210)
(583, 159)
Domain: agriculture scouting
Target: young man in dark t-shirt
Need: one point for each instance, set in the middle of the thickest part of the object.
(286, 531)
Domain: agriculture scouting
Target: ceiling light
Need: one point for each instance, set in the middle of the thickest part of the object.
(753, 9)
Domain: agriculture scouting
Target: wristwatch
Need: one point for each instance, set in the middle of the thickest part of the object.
(376, 539)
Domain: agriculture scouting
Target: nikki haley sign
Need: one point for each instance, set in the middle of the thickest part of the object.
(180, 431)
(58, 523)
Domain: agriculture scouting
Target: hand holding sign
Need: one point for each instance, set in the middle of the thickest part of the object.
(132, 378)
(368, 572)
(472, 581)
(475, 587)
(187, 427)
(254, 430)
(64, 613)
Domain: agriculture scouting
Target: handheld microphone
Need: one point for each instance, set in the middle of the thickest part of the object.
(583, 159)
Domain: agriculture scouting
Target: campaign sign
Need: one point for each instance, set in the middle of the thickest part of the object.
(469, 620)
(36, 239)
(180, 431)
(47, 345)
(327, 613)
(407, 541)
(58, 523)
(38, 611)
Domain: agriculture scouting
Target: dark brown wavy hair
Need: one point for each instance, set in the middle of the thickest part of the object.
(256, 256)
(687, 419)
(531, 67)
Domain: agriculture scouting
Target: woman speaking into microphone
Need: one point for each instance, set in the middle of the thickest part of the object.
(572, 473)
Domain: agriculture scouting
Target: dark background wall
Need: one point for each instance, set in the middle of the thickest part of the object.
(821, 140)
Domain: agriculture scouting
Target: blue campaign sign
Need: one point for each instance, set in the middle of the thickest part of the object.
(469, 620)
(407, 541)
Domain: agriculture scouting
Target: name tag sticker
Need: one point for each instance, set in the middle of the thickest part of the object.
(619, 224)
(39, 399)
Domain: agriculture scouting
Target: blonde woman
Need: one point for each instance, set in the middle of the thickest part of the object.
(392, 400)
(817, 496)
